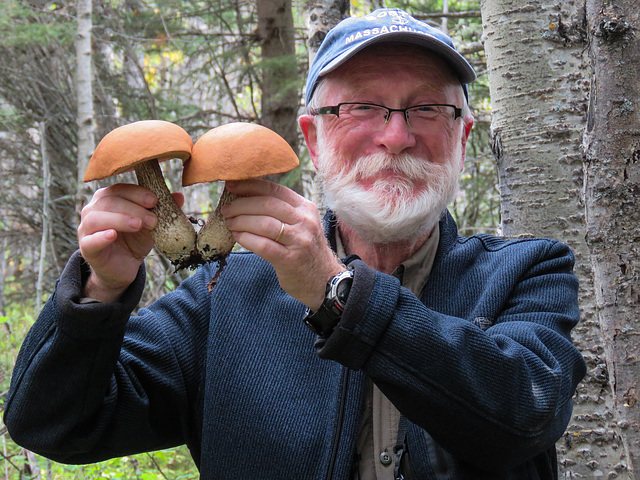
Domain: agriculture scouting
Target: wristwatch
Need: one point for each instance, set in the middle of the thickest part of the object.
(322, 321)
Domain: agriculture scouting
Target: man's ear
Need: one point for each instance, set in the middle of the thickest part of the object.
(310, 131)
(468, 125)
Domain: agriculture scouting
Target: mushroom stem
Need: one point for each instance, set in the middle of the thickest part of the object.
(215, 241)
(174, 234)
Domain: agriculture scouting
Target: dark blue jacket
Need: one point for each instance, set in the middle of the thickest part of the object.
(482, 366)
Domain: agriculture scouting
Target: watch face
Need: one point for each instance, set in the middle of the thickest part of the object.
(343, 289)
(323, 321)
(340, 285)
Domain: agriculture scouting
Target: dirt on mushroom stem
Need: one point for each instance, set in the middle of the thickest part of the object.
(196, 259)
(214, 241)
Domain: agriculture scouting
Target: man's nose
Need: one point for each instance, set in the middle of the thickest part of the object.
(395, 135)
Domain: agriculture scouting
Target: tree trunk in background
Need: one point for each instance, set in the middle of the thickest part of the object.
(279, 74)
(86, 140)
(612, 198)
(3, 275)
(444, 26)
(321, 16)
(538, 76)
(46, 215)
(280, 100)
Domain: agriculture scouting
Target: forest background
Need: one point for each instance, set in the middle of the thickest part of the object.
(70, 71)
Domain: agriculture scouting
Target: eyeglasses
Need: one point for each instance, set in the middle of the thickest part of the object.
(378, 115)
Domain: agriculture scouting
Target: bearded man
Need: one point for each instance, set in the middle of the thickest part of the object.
(428, 355)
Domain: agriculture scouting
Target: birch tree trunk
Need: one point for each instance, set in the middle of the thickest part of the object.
(46, 215)
(4, 244)
(444, 26)
(321, 16)
(84, 91)
(612, 197)
(538, 76)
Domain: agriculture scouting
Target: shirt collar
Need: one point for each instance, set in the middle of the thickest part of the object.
(414, 272)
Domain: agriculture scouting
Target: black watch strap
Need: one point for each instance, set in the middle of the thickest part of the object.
(323, 321)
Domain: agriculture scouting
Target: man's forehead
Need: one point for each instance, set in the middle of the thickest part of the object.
(378, 58)
(431, 74)
(431, 88)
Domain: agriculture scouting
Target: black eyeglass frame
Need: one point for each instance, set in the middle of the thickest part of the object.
(335, 109)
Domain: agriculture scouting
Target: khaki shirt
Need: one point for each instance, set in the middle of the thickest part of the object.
(379, 424)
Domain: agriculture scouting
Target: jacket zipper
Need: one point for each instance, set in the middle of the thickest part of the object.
(338, 430)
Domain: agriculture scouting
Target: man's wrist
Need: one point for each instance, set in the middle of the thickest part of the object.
(95, 291)
(323, 320)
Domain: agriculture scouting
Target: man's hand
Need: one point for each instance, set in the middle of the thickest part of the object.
(114, 238)
(301, 257)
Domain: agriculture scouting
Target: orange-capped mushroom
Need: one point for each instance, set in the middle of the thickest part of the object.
(234, 151)
(140, 146)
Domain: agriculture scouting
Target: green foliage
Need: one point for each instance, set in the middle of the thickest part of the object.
(22, 25)
(173, 464)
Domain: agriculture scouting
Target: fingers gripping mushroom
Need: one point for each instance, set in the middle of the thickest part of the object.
(140, 146)
(235, 151)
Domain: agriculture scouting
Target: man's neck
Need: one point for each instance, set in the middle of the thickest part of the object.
(384, 257)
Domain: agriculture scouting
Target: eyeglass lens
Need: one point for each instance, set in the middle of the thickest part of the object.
(414, 116)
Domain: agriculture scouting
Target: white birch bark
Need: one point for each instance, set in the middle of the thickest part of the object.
(444, 26)
(612, 200)
(46, 215)
(321, 16)
(538, 76)
(84, 93)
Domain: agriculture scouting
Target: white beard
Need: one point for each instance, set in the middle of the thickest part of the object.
(392, 209)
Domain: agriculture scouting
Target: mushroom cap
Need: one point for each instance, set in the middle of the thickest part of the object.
(124, 147)
(238, 151)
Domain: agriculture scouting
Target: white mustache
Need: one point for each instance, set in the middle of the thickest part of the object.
(405, 166)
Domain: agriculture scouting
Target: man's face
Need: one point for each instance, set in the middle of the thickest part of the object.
(390, 182)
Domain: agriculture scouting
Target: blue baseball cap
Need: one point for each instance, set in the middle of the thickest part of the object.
(385, 25)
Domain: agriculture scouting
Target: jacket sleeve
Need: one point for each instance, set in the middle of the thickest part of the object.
(485, 364)
(85, 380)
